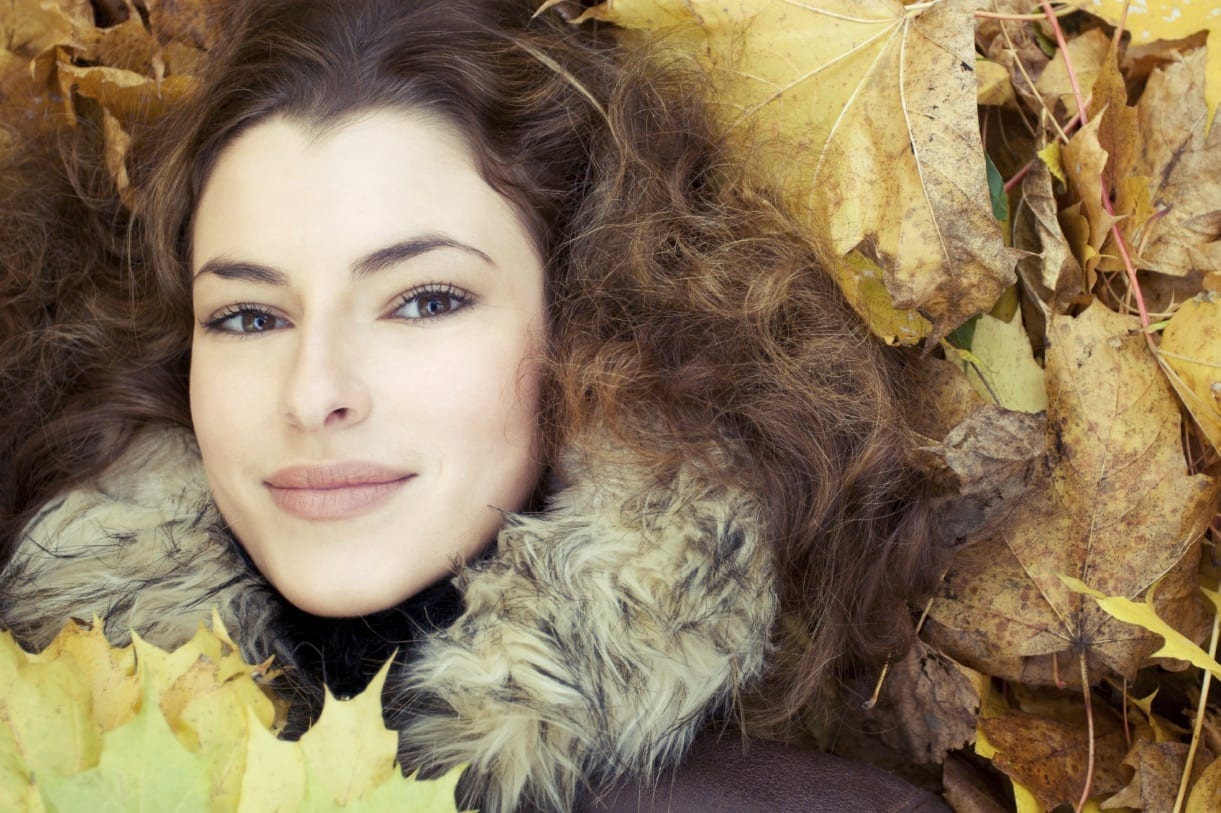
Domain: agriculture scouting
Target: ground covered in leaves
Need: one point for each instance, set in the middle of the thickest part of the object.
(1030, 192)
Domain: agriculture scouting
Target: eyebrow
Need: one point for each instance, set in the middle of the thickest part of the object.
(368, 265)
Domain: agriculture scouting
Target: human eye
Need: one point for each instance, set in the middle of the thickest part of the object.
(431, 301)
(244, 320)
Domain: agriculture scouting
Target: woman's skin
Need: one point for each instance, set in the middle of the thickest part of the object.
(365, 363)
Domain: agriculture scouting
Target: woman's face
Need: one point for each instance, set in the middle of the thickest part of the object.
(365, 363)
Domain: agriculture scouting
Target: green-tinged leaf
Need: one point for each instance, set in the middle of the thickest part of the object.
(278, 781)
(996, 191)
(409, 793)
(49, 713)
(999, 363)
(143, 767)
(349, 750)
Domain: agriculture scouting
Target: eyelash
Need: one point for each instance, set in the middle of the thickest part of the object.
(213, 325)
(460, 297)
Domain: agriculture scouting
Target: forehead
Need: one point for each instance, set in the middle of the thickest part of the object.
(283, 188)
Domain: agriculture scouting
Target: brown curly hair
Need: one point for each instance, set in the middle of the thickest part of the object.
(685, 304)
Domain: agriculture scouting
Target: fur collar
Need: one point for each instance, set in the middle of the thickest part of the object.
(591, 644)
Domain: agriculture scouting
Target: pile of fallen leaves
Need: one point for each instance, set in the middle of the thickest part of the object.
(88, 726)
(1031, 192)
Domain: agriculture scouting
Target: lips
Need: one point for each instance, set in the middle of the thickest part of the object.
(334, 491)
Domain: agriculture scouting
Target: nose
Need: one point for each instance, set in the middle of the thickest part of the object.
(324, 386)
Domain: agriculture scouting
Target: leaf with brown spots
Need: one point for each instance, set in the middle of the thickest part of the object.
(1111, 504)
(867, 112)
(1183, 167)
(190, 22)
(1156, 768)
(1050, 755)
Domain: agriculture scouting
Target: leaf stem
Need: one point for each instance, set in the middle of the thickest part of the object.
(1089, 721)
(1116, 234)
(1063, 11)
(1185, 779)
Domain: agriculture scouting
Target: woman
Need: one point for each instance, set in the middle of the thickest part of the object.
(450, 288)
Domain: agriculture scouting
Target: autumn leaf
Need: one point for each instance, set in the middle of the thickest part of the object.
(82, 729)
(143, 767)
(1049, 754)
(279, 782)
(1191, 353)
(1183, 168)
(929, 705)
(350, 750)
(1000, 364)
(1049, 268)
(865, 289)
(1113, 488)
(1083, 160)
(191, 22)
(866, 112)
(1207, 790)
(989, 457)
(1142, 614)
(1086, 55)
(1155, 777)
(1147, 22)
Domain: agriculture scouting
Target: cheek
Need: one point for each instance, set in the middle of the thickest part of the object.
(481, 407)
(225, 407)
(489, 386)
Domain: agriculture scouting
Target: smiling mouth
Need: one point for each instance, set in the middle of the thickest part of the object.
(324, 494)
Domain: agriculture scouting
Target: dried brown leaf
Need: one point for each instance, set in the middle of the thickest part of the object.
(189, 22)
(31, 27)
(1049, 269)
(117, 141)
(1012, 44)
(1050, 756)
(929, 706)
(1086, 54)
(1084, 160)
(940, 398)
(1184, 169)
(1155, 782)
(1117, 131)
(989, 458)
(1112, 488)
(128, 46)
(969, 789)
(1147, 22)
(126, 94)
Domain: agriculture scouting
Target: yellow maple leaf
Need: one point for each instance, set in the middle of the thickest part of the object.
(196, 734)
(350, 750)
(1207, 790)
(1177, 645)
(865, 112)
(1190, 354)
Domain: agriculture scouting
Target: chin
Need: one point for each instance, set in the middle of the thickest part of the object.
(344, 601)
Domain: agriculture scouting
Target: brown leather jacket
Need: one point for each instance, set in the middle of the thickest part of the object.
(725, 774)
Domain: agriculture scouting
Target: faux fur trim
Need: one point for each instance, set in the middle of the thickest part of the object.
(144, 548)
(597, 640)
(594, 643)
